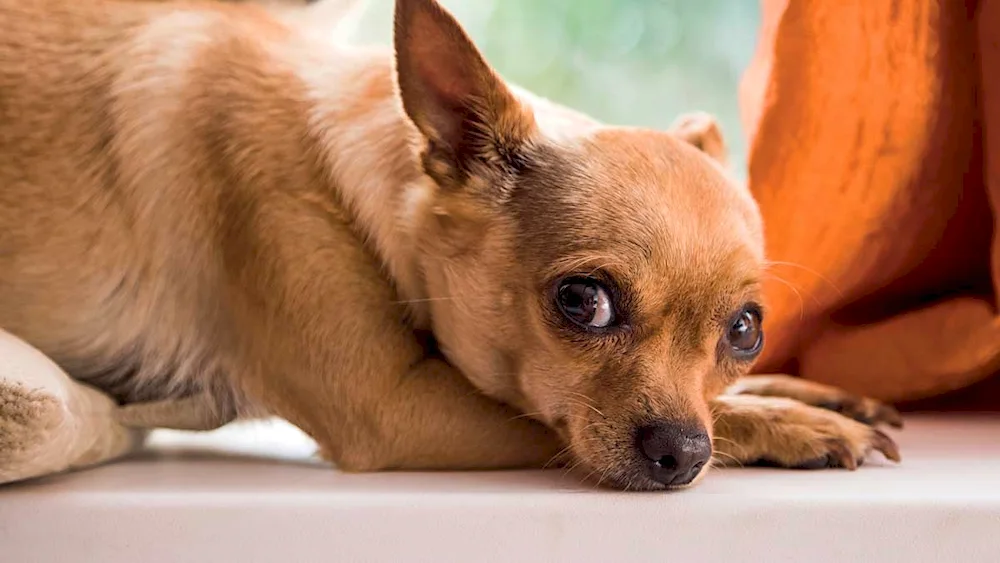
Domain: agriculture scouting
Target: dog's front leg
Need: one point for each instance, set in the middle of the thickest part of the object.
(393, 410)
(432, 418)
(325, 344)
(862, 409)
(784, 432)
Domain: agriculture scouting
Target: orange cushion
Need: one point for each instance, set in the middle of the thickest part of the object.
(872, 138)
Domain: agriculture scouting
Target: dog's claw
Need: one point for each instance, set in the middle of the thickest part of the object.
(884, 444)
(841, 455)
(891, 416)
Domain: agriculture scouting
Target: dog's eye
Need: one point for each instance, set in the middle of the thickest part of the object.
(745, 335)
(585, 302)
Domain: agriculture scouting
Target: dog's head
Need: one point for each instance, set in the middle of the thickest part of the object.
(602, 279)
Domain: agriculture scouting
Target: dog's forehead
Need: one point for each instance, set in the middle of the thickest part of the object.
(696, 223)
(655, 204)
(647, 188)
(652, 168)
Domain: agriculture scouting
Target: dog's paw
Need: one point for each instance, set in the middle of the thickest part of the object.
(861, 409)
(834, 448)
(782, 432)
(28, 421)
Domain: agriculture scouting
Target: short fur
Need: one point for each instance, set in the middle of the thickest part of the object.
(197, 200)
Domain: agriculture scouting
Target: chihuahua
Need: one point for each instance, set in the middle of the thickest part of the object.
(208, 213)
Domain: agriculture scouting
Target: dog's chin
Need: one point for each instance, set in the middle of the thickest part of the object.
(627, 477)
(620, 477)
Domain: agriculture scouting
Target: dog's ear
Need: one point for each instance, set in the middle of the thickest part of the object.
(701, 130)
(458, 102)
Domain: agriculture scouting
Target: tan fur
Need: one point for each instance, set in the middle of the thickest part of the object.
(197, 199)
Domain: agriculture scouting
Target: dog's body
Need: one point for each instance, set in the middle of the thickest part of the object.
(197, 201)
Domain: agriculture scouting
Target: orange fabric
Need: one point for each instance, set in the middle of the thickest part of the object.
(875, 156)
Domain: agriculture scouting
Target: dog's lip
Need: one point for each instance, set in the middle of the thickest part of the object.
(639, 481)
(633, 477)
(632, 481)
(561, 426)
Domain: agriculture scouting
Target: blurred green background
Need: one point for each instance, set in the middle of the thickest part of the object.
(627, 62)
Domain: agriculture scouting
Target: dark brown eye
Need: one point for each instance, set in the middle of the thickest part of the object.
(585, 302)
(745, 335)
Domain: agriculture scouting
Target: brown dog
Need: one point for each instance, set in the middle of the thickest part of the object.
(198, 202)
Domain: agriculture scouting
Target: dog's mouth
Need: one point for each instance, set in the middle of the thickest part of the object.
(631, 477)
(621, 476)
(561, 425)
(663, 457)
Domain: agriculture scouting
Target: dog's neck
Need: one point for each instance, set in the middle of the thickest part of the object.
(370, 150)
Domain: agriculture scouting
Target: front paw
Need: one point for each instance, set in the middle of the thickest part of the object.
(837, 452)
(781, 432)
(862, 409)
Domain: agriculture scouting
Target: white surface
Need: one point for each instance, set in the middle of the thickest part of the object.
(187, 502)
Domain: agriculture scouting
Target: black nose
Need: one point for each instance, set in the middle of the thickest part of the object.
(675, 452)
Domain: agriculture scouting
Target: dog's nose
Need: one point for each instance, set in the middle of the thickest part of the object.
(676, 453)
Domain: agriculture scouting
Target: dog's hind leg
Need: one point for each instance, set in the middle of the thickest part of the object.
(196, 412)
(50, 423)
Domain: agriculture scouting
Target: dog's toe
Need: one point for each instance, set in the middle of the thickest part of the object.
(865, 410)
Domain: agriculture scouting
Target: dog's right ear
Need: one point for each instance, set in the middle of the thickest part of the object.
(458, 102)
(703, 132)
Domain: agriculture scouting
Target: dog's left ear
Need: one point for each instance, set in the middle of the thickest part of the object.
(701, 130)
(458, 102)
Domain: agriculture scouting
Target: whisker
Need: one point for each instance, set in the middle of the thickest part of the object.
(603, 475)
(582, 396)
(820, 276)
(598, 268)
(585, 405)
(525, 415)
(726, 440)
(555, 457)
(572, 467)
(588, 402)
(798, 294)
(732, 457)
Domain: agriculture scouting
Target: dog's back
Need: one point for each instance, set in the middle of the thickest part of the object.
(112, 166)
(62, 216)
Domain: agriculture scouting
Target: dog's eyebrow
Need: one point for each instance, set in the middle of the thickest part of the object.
(586, 263)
